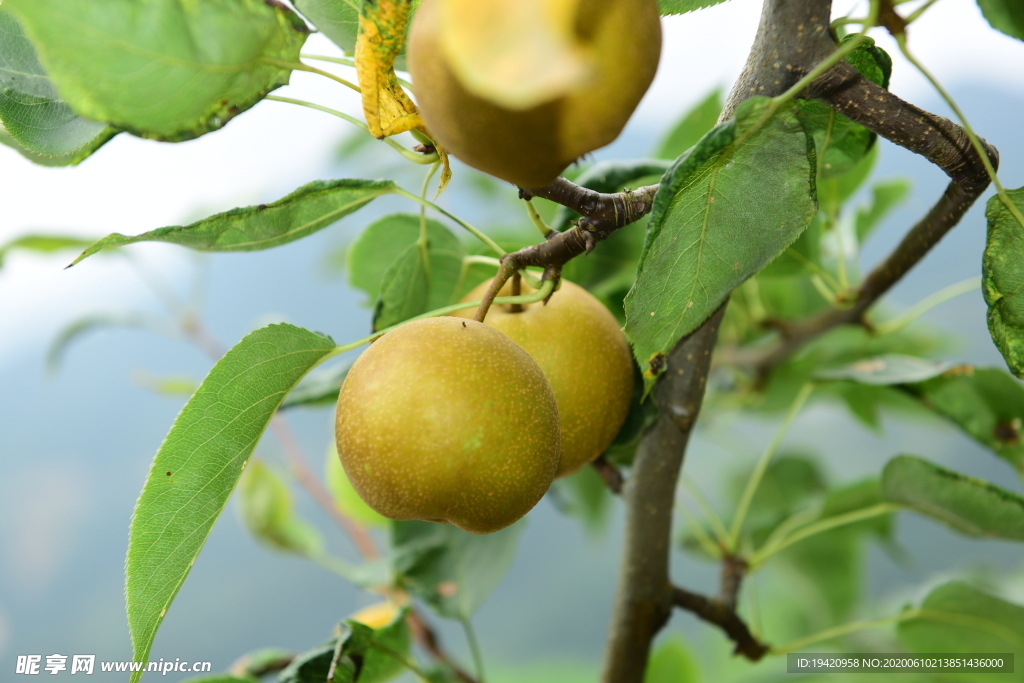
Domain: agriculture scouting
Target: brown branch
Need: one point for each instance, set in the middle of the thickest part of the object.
(300, 468)
(602, 214)
(792, 37)
(940, 141)
(428, 640)
(643, 600)
(937, 139)
(724, 616)
(733, 570)
(611, 475)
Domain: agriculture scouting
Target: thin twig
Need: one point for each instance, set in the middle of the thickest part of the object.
(300, 468)
(427, 638)
(611, 475)
(722, 615)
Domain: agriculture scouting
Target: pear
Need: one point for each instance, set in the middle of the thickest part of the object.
(448, 420)
(617, 41)
(580, 348)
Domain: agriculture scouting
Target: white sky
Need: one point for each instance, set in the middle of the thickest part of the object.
(133, 185)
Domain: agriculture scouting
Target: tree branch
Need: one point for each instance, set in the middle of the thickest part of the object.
(611, 475)
(602, 214)
(428, 640)
(644, 596)
(792, 37)
(724, 616)
(939, 140)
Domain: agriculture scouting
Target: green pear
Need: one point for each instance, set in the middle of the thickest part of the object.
(448, 420)
(577, 343)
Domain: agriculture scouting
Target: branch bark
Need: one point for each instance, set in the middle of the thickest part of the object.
(644, 597)
(602, 214)
(724, 616)
(792, 38)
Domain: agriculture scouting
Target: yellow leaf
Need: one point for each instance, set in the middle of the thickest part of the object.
(446, 169)
(386, 106)
(518, 54)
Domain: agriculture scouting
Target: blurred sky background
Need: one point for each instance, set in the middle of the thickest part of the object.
(75, 445)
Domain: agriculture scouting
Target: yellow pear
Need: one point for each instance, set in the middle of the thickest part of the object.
(577, 342)
(448, 420)
(598, 78)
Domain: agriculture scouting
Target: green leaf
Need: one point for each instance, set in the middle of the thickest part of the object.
(840, 142)
(220, 678)
(871, 61)
(1002, 270)
(263, 660)
(383, 649)
(1004, 15)
(683, 6)
(381, 244)
(319, 388)
(858, 496)
(845, 344)
(314, 665)
(832, 563)
(404, 289)
(610, 176)
(892, 368)
(692, 127)
(672, 662)
(451, 570)
(200, 462)
(724, 210)
(958, 618)
(345, 496)
(310, 208)
(166, 385)
(969, 505)
(163, 69)
(886, 195)
(266, 507)
(986, 403)
(35, 157)
(31, 110)
(835, 191)
(791, 481)
(42, 244)
(584, 495)
(72, 332)
(336, 19)
(440, 673)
